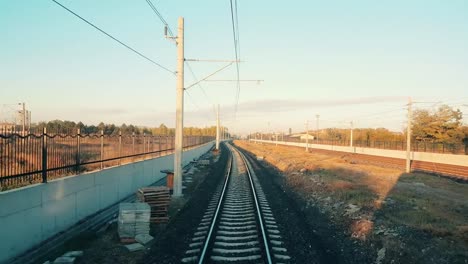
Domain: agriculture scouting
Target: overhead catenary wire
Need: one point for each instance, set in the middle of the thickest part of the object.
(160, 17)
(192, 101)
(235, 38)
(197, 82)
(188, 87)
(237, 30)
(238, 51)
(114, 38)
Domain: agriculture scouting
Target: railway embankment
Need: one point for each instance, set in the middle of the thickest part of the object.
(388, 215)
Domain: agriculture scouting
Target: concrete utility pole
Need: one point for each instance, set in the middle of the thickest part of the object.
(179, 130)
(307, 135)
(269, 132)
(408, 137)
(24, 119)
(29, 121)
(217, 128)
(351, 136)
(317, 127)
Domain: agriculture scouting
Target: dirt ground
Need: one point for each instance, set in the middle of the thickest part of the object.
(168, 246)
(389, 216)
(328, 209)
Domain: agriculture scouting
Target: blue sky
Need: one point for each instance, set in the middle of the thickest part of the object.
(344, 60)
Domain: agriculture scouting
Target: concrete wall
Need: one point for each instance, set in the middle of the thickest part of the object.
(34, 213)
(461, 160)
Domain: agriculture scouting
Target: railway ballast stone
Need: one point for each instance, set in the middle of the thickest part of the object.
(64, 260)
(73, 254)
(134, 247)
(143, 239)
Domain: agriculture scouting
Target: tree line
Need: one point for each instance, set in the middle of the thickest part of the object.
(442, 125)
(71, 127)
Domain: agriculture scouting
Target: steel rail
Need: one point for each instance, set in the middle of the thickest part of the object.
(259, 214)
(208, 239)
(218, 208)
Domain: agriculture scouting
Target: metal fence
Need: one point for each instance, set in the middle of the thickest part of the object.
(419, 146)
(36, 158)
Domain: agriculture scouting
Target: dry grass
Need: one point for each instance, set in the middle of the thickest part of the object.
(434, 205)
(18, 156)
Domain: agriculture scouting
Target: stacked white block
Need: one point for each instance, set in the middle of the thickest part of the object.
(134, 219)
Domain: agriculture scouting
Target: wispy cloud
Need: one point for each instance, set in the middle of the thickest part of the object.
(250, 108)
(292, 105)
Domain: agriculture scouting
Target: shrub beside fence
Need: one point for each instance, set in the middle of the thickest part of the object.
(36, 158)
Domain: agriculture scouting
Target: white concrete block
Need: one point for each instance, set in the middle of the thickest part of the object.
(87, 202)
(20, 199)
(19, 232)
(460, 160)
(106, 176)
(108, 194)
(57, 189)
(125, 184)
(41, 211)
(63, 210)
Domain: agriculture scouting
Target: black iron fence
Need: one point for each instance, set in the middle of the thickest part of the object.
(420, 146)
(39, 157)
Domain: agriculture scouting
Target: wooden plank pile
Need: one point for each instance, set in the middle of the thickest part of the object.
(158, 199)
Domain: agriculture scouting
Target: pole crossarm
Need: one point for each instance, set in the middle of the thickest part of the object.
(234, 80)
(193, 84)
(209, 60)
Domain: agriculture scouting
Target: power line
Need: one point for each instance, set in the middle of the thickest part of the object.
(192, 100)
(160, 17)
(114, 38)
(239, 54)
(236, 53)
(198, 84)
(196, 80)
(237, 32)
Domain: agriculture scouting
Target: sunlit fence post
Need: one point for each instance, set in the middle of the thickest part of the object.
(41, 157)
(120, 147)
(102, 149)
(167, 144)
(78, 150)
(144, 144)
(159, 146)
(133, 144)
(44, 155)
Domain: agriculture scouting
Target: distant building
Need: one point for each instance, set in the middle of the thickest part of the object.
(302, 136)
(7, 126)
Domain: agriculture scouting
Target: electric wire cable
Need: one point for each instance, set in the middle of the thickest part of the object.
(198, 83)
(237, 56)
(160, 17)
(114, 38)
(192, 100)
(238, 51)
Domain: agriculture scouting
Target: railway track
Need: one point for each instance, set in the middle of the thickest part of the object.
(238, 226)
